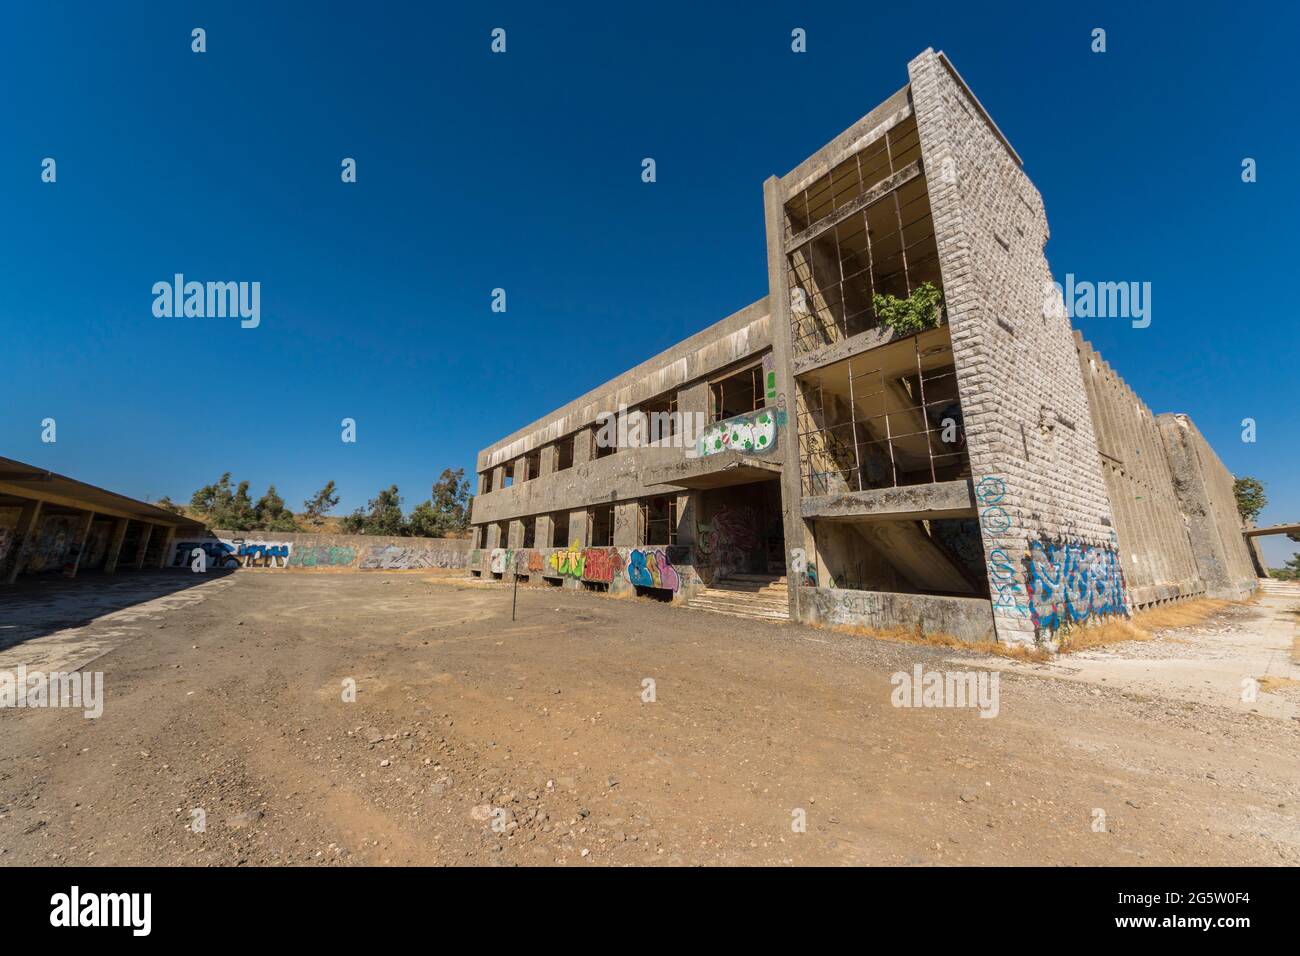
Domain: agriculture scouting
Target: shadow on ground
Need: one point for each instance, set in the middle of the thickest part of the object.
(43, 604)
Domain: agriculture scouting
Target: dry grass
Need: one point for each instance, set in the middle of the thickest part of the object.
(1272, 685)
(1113, 630)
(1186, 614)
(902, 635)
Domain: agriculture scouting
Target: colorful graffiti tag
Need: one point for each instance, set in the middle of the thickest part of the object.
(652, 569)
(753, 432)
(567, 563)
(221, 554)
(497, 561)
(321, 556)
(1070, 582)
(603, 565)
(262, 554)
(997, 526)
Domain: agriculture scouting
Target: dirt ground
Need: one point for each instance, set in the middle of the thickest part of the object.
(475, 740)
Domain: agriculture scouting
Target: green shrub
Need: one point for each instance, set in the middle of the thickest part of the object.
(918, 312)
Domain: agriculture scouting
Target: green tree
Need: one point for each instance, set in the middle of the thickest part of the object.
(1250, 497)
(315, 508)
(238, 514)
(272, 515)
(450, 502)
(214, 497)
(423, 522)
(167, 504)
(382, 515)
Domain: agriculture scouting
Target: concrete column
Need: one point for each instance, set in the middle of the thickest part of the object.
(582, 446)
(625, 525)
(543, 531)
(548, 457)
(79, 542)
(115, 545)
(498, 477)
(516, 534)
(578, 530)
(28, 521)
(140, 550)
(798, 532)
(169, 544)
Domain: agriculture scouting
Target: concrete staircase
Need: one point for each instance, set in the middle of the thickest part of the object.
(1275, 588)
(760, 597)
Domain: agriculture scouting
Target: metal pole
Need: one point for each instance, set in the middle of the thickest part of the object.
(514, 595)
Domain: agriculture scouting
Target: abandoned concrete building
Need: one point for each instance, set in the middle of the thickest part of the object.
(988, 476)
(50, 523)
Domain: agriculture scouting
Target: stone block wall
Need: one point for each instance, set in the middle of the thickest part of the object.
(1043, 505)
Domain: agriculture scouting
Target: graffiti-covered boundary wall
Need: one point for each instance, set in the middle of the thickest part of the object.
(669, 570)
(296, 551)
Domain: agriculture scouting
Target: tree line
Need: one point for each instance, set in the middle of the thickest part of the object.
(231, 507)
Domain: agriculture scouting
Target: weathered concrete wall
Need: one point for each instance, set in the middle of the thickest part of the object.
(1154, 549)
(304, 551)
(968, 619)
(1204, 490)
(1033, 453)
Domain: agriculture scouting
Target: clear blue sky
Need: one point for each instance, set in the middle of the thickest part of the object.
(523, 171)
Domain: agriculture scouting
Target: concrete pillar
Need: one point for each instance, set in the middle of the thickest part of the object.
(582, 441)
(627, 525)
(79, 543)
(578, 530)
(543, 531)
(798, 533)
(142, 547)
(169, 543)
(115, 545)
(516, 539)
(498, 477)
(28, 521)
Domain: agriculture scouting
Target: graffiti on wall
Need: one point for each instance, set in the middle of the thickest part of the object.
(1070, 582)
(998, 526)
(754, 432)
(602, 564)
(322, 556)
(729, 538)
(262, 554)
(220, 554)
(6, 542)
(567, 563)
(497, 561)
(652, 569)
(392, 557)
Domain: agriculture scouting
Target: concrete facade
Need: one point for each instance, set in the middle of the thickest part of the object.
(973, 477)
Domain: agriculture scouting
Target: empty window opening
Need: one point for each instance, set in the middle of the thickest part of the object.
(485, 482)
(600, 519)
(532, 467)
(560, 529)
(530, 533)
(886, 418)
(657, 520)
(884, 248)
(508, 474)
(503, 534)
(738, 393)
(604, 440)
(660, 419)
(564, 453)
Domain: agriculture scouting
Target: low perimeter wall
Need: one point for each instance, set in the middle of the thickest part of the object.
(299, 551)
(967, 619)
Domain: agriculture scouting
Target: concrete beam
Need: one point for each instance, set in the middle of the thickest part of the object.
(142, 547)
(115, 545)
(944, 499)
(1273, 529)
(83, 532)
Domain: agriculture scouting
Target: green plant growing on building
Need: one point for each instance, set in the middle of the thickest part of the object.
(918, 312)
